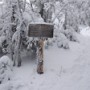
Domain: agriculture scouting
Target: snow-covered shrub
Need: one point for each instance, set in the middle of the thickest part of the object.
(70, 34)
(48, 43)
(77, 29)
(5, 69)
(62, 41)
(54, 39)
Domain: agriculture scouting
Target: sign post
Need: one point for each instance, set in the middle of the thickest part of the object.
(41, 31)
(40, 56)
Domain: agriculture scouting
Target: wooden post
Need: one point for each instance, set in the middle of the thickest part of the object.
(40, 57)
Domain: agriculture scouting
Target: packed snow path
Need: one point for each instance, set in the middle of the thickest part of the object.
(64, 70)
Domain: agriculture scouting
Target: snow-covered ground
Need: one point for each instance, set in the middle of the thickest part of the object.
(63, 69)
(85, 31)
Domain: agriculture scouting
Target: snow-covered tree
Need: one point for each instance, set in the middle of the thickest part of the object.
(66, 15)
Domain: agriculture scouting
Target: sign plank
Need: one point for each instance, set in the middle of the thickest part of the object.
(41, 30)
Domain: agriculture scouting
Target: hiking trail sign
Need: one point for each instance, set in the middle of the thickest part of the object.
(41, 30)
(44, 30)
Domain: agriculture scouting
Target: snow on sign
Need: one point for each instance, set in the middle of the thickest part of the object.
(41, 30)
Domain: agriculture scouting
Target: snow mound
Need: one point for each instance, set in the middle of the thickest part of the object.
(70, 34)
(5, 69)
(62, 41)
(85, 31)
(14, 85)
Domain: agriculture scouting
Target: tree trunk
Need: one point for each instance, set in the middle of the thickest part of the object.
(65, 22)
(13, 29)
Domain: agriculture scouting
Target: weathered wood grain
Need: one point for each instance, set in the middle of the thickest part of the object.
(40, 30)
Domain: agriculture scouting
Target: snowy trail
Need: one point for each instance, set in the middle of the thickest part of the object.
(64, 70)
(78, 77)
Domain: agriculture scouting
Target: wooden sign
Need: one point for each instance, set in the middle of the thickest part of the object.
(41, 30)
